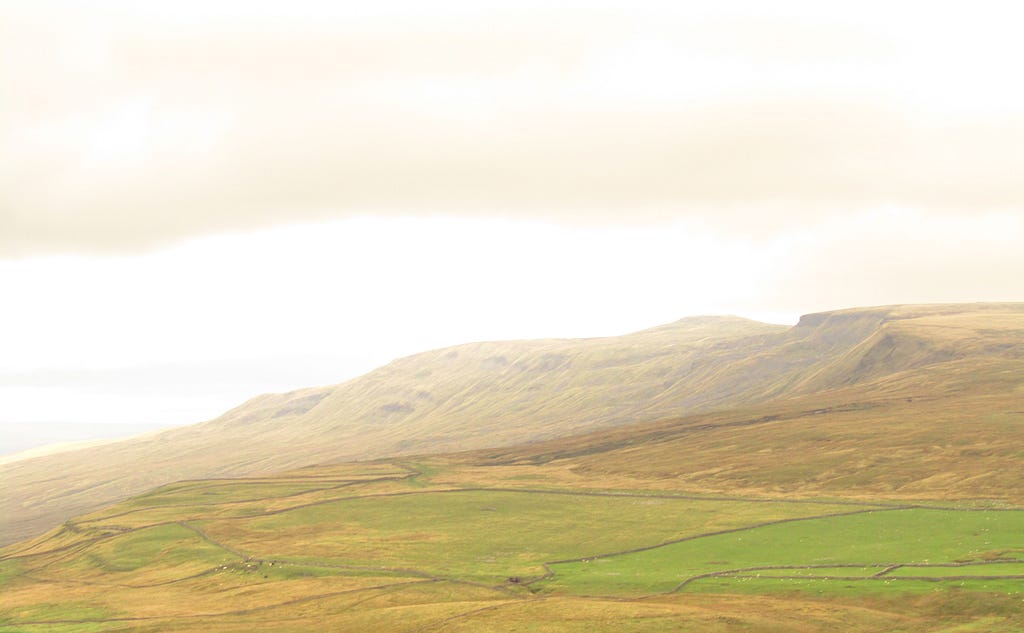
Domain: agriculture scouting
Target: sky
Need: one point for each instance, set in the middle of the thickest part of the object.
(203, 201)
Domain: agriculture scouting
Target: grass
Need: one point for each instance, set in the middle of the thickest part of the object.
(869, 540)
(9, 569)
(854, 588)
(484, 395)
(154, 555)
(49, 611)
(890, 501)
(970, 569)
(213, 493)
(496, 534)
(422, 553)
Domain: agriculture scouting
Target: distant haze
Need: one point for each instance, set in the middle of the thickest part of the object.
(200, 201)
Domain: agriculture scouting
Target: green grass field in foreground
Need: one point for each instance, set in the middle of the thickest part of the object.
(487, 536)
(878, 546)
(413, 552)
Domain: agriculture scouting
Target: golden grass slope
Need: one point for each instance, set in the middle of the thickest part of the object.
(936, 412)
(447, 544)
(506, 393)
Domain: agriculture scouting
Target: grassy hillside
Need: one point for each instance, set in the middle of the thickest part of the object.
(449, 544)
(500, 394)
(951, 426)
(865, 478)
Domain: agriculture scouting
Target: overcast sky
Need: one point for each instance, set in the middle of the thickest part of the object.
(202, 201)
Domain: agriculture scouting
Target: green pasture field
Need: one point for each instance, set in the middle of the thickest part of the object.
(488, 536)
(974, 569)
(196, 494)
(292, 555)
(872, 540)
(150, 555)
(236, 498)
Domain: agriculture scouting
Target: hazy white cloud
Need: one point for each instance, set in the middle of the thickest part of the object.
(402, 284)
(897, 255)
(138, 124)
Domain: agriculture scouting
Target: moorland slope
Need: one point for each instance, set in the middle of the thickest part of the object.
(459, 545)
(806, 388)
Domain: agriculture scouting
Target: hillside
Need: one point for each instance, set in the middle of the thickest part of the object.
(866, 480)
(443, 544)
(509, 393)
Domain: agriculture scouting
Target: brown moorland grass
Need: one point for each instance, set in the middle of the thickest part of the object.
(507, 393)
